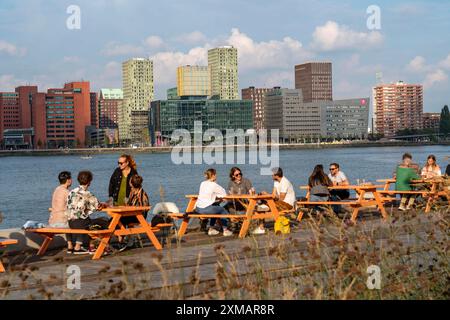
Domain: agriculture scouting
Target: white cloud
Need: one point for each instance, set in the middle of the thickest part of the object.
(117, 49)
(265, 55)
(154, 42)
(9, 82)
(434, 78)
(331, 36)
(11, 49)
(418, 64)
(194, 37)
(445, 63)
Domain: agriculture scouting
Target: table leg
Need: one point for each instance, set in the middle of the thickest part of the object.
(45, 244)
(2, 268)
(431, 198)
(149, 231)
(248, 218)
(355, 214)
(380, 205)
(273, 208)
(104, 240)
(300, 216)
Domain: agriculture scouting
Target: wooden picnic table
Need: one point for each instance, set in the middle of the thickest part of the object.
(4, 243)
(432, 194)
(115, 228)
(356, 204)
(249, 202)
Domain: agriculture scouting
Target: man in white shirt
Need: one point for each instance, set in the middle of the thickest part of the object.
(339, 179)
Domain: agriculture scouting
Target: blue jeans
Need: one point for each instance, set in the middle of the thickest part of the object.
(213, 210)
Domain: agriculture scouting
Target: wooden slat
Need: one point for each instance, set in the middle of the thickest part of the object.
(5, 242)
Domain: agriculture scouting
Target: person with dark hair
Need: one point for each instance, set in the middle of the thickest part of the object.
(119, 184)
(318, 183)
(404, 173)
(58, 211)
(431, 168)
(338, 178)
(207, 197)
(81, 203)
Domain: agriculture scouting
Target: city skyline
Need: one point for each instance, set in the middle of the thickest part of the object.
(268, 50)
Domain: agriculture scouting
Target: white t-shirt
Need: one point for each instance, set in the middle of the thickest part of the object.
(285, 186)
(338, 178)
(208, 193)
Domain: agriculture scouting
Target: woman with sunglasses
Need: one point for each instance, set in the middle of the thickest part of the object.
(119, 184)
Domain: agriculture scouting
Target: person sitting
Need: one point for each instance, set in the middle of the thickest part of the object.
(338, 178)
(236, 186)
(81, 203)
(404, 173)
(318, 183)
(58, 211)
(431, 168)
(207, 197)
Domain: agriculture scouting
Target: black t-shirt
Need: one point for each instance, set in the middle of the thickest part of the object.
(447, 171)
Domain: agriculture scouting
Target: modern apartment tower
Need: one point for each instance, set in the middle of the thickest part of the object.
(257, 96)
(397, 106)
(138, 92)
(193, 81)
(223, 63)
(315, 81)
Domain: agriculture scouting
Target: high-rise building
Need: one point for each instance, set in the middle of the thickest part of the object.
(431, 120)
(223, 63)
(9, 112)
(193, 81)
(108, 105)
(397, 106)
(138, 92)
(68, 113)
(315, 81)
(257, 96)
(94, 109)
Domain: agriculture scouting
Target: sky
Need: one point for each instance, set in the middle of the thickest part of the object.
(410, 42)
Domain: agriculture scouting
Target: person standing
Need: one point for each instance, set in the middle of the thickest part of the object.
(207, 197)
(58, 211)
(119, 184)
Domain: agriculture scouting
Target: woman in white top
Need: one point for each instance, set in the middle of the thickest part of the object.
(207, 196)
(431, 169)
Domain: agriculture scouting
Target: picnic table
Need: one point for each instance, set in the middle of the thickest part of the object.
(4, 243)
(115, 228)
(432, 193)
(249, 202)
(356, 204)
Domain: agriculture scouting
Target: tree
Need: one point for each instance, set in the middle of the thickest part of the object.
(444, 124)
(39, 144)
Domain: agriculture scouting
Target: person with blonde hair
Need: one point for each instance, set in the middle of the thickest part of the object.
(119, 184)
(208, 195)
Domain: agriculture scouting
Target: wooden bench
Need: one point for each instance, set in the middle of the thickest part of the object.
(3, 244)
(355, 204)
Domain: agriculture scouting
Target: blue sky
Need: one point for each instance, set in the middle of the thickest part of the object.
(412, 45)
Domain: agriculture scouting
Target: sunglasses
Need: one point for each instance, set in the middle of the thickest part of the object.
(238, 174)
(120, 163)
(333, 168)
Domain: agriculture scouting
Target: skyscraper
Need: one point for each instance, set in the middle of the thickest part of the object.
(397, 106)
(315, 81)
(138, 92)
(193, 81)
(108, 105)
(223, 62)
(94, 109)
